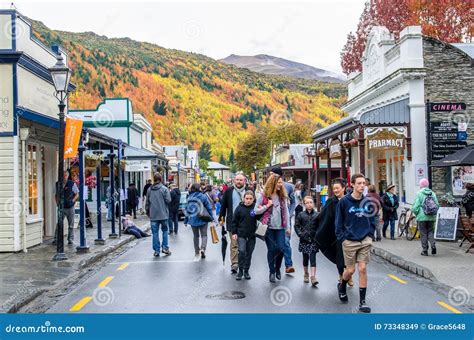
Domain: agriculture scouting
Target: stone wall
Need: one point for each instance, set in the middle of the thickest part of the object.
(449, 78)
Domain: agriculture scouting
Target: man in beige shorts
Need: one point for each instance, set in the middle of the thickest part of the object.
(355, 229)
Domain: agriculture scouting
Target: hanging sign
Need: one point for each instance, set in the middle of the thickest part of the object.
(72, 135)
(335, 149)
(385, 139)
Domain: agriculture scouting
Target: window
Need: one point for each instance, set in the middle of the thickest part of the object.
(33, 163)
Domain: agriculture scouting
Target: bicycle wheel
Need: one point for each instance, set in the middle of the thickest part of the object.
(412, 228)
(402, 225)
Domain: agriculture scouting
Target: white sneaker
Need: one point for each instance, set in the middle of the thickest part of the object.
(197, 257)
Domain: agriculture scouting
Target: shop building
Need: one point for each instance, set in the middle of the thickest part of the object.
(384, 135)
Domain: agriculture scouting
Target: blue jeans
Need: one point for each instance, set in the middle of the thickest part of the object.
(287, 251)
(155, 228)
(275, 240)
(110, 212)
(173, 222)
(392, 227)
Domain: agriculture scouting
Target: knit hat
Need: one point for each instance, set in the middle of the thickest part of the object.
(424, 183)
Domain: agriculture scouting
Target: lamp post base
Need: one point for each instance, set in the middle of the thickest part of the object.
(82, 249)
(99, 241)
(60, 257)
(113, 235)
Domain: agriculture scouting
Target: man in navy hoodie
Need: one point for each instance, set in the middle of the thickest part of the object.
(355, 230)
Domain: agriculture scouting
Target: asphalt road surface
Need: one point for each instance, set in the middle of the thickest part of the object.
(137, 282)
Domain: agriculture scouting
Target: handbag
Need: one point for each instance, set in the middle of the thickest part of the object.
(215, 238)
(204, 215)
(261, 230)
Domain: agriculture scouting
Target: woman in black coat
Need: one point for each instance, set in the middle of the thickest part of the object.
(390, 205)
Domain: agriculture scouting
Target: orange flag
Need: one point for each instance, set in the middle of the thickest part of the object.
(72, 134)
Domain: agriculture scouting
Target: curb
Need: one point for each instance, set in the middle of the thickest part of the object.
(404, 264)
(28, 298)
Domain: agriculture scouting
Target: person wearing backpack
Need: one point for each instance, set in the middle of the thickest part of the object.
(425, 209)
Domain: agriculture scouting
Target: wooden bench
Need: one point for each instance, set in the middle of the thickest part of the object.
(467, 230)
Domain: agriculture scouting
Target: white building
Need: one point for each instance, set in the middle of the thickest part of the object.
(384, 135)
(28, 135)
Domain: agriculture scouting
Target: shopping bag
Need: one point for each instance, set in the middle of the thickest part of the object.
(261, 230)
(215, 238)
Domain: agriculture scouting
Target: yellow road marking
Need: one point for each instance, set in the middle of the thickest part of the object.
(106, 281)
(448, 307)
(78, 306)
(123, 266)
(397, 279)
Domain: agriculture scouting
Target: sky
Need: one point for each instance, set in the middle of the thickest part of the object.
(310, 32)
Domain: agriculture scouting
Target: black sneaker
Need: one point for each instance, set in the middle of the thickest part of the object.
(342, 295)
(233, 271)
(166, 251)
(156, 254)
(240, 274)
(424, 253)
(363, 308)
(433, 251)
(203, 254)
(247, 275)
(272, 278)
(278, 275)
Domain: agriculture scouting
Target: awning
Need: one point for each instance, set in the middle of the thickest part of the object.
(344, 125)
(394, 113)
(133, 153)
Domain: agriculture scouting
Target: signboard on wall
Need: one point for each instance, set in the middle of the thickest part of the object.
(445, 139)
(460, 175)
(138, 165)
(420, 172)
(335, 149)
(6, 99)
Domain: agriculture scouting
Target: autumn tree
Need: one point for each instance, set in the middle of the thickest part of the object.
(253, 150)
(447, 20)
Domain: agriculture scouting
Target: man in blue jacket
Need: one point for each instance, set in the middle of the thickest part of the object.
(355, 230)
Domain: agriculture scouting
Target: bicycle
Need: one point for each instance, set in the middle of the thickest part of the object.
(407, 224)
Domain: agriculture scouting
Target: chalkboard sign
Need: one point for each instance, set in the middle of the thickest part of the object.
(446, 223)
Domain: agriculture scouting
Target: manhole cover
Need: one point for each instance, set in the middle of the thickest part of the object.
(226, 296)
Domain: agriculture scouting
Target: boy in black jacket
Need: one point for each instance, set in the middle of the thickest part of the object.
(243, 227)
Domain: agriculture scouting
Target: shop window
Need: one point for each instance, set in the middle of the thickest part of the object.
(33, 162)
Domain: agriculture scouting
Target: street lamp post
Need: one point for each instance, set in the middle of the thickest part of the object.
(61, 75)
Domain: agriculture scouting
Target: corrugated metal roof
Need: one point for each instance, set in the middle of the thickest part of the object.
(394, 113)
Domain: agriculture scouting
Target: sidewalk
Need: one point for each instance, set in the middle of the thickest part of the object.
(25, 276)
(452, 266)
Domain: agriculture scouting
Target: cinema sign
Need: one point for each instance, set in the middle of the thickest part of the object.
(385, 138)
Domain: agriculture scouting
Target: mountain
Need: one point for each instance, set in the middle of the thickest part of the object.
(268, 64)
(189, 98)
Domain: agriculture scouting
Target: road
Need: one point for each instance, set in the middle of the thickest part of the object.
(136, 282)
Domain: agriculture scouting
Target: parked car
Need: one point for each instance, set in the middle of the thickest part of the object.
(182, 205)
